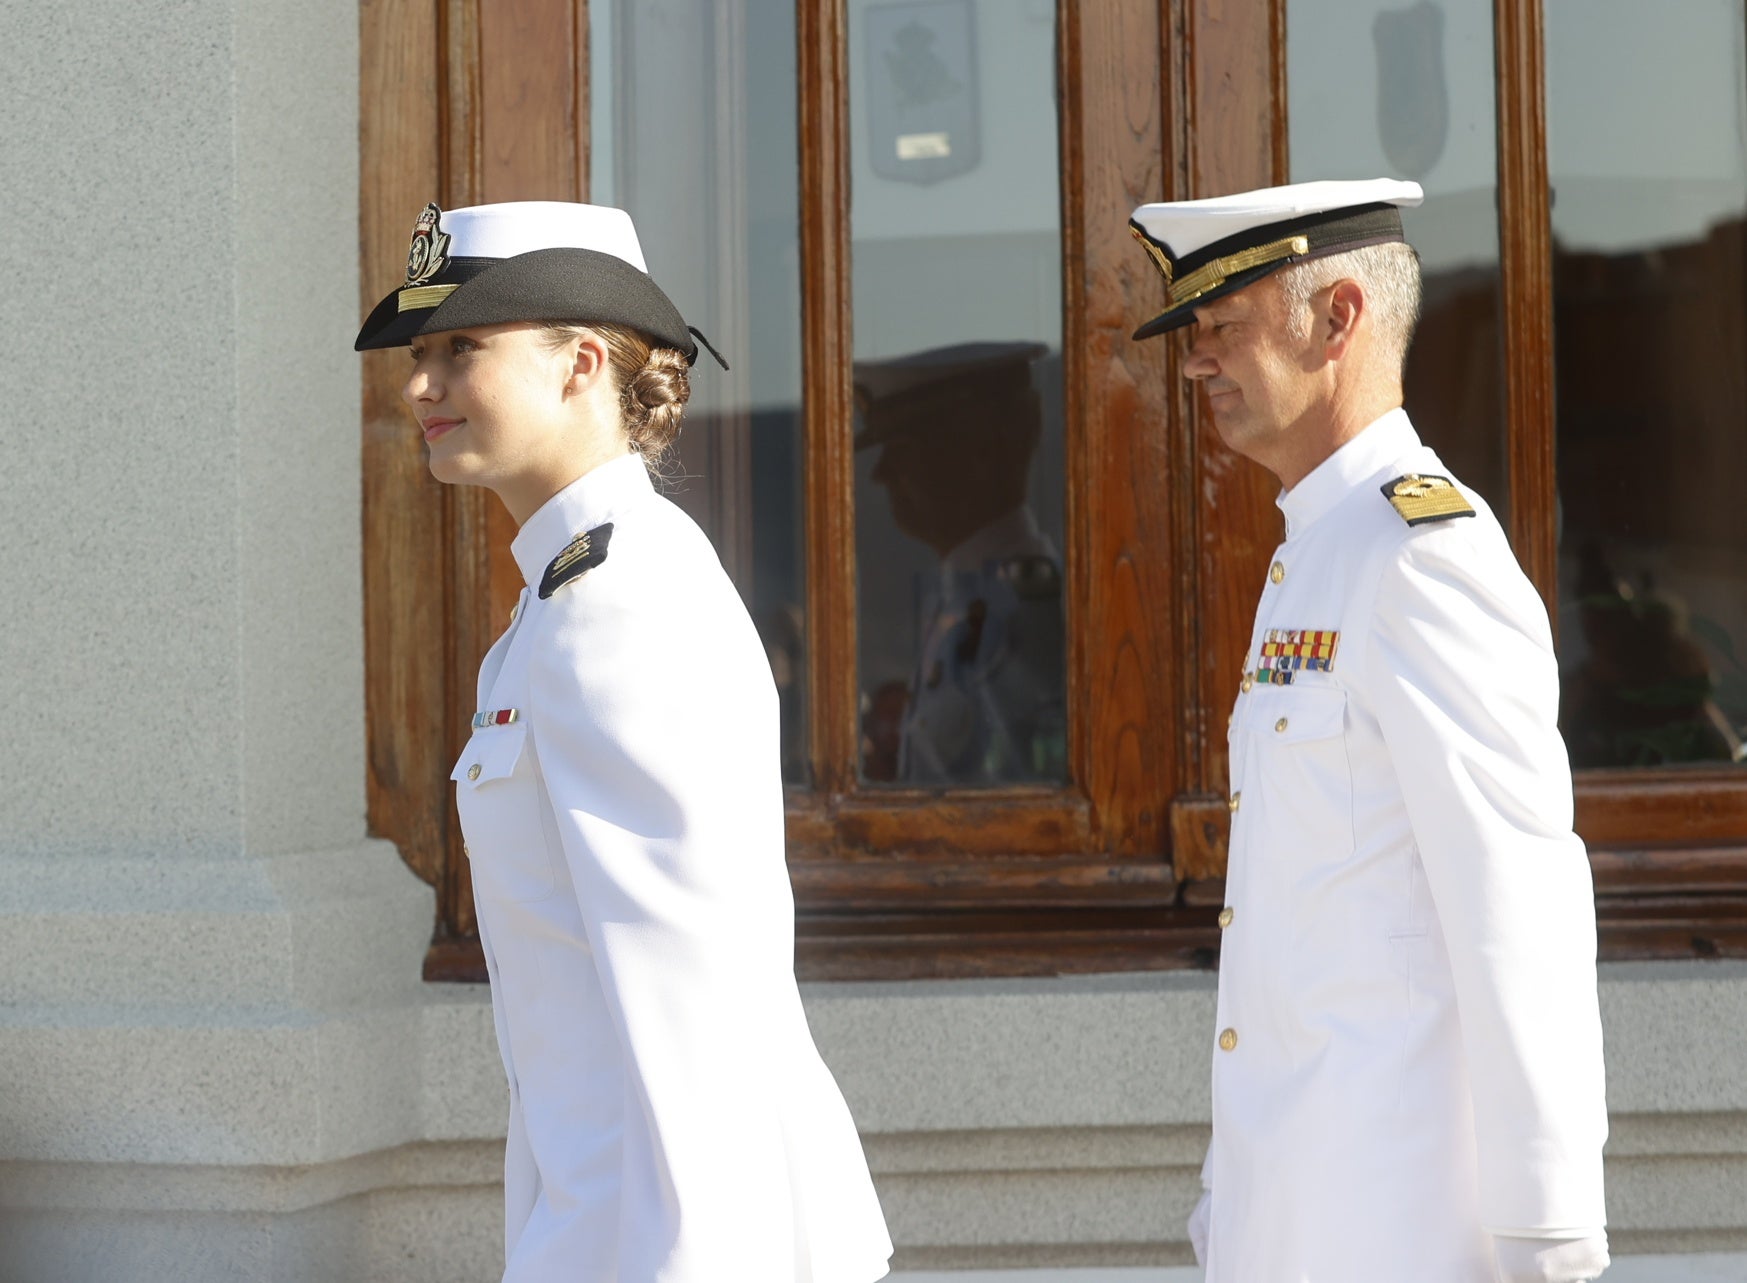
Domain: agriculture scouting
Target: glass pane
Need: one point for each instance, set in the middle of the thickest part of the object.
(1646, 119)
(694, 132)
(959, 479)
(1381, 89)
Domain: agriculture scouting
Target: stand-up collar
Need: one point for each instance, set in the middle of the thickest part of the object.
(585, 503)
(1358, 460)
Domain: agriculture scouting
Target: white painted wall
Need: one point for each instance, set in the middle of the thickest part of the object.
(205, 966)
(182, 662)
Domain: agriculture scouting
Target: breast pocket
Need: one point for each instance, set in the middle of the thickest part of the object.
(498, 800)
(1298, 781)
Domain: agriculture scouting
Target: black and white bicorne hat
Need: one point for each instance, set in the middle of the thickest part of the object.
(1206, 249)
(526, 261)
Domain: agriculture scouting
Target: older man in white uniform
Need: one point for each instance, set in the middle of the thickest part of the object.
(1407, 1073)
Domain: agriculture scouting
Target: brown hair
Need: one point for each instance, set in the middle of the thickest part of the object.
(654, 384)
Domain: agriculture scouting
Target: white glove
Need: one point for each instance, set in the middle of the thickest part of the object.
(1199, 1220)
(1550, 1260)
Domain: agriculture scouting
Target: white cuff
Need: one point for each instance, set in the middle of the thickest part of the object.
(1200, 1221)
(1551, 1260)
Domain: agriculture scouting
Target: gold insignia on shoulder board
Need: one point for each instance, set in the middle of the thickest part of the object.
(581, 555)
(1421, 497)
(574, 552)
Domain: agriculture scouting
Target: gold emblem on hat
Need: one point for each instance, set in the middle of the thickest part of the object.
(1158, 256)
(429, 252)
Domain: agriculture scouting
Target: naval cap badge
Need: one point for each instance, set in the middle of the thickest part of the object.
(429, 252)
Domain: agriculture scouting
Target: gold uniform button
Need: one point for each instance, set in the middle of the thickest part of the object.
(1280, 725)
(1276, 572)
(1225, 918)
(473, 771)
(1232, 802)
(1228, 1040)
(1248, 681)
(468, 855)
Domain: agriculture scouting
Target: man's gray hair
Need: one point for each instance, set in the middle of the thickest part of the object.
(1389, 275)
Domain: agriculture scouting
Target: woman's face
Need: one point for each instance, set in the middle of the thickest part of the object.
(499, 407)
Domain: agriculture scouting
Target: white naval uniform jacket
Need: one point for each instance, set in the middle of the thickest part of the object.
(1408, 1051)
(670, 1119)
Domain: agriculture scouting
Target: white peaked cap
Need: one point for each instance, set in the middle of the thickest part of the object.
(1188, 226)
(523, 226)
(1206, 249)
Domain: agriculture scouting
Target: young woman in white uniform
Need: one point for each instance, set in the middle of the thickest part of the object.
(621, 800)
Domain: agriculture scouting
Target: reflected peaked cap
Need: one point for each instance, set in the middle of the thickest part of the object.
(1206, 249)
(525, 261)
(887, 390)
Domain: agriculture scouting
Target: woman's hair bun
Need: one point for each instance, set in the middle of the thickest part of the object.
(653, 399)
(654, 384)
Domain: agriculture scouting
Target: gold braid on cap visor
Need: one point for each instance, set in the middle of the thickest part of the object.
(1210, 276)
(424, 296)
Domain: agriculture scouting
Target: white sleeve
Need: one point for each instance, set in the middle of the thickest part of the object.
(1460, 673)
(665, 790)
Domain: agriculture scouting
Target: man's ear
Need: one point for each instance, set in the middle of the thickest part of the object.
(1341, 318)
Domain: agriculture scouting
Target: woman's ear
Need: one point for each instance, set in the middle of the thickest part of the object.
(588, 361)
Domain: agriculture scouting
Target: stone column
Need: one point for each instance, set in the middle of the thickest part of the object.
(210, 974)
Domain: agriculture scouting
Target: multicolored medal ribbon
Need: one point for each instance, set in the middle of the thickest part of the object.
(1289, 651)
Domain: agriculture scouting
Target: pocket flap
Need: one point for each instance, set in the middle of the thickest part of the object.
(491, 754)
(1293, 714)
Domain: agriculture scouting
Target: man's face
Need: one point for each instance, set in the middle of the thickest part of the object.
(1259, 377)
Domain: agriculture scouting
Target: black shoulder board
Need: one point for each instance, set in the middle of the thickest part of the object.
(1420, 497)
(581, 555)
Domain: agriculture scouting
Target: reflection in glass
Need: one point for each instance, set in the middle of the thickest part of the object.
(959, 476)
(694, 132)
(1413, 97)
(1650, 323)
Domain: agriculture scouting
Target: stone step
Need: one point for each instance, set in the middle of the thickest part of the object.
(1709, 1267)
